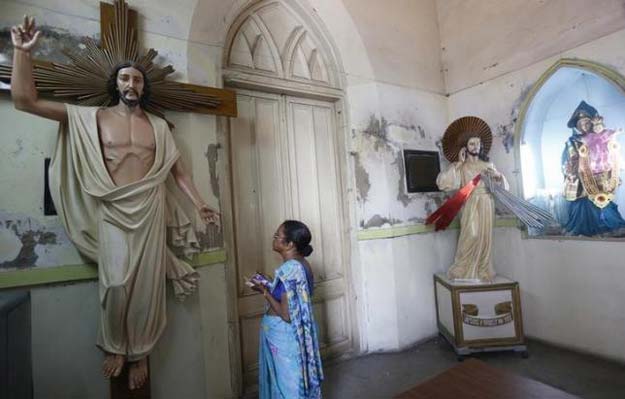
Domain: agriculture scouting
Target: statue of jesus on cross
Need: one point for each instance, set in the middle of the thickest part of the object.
(109, 183)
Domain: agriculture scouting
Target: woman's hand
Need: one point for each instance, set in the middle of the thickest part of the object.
(259, 282)
(25, 36)
(259, 287)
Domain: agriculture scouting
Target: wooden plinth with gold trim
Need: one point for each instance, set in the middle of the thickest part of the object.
(479, 317)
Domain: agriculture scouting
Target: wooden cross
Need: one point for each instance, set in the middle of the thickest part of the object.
(118, 24)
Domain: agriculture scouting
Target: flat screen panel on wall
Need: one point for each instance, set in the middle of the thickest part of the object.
(422, 167)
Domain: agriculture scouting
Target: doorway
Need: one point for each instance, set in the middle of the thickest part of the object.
(285, 165)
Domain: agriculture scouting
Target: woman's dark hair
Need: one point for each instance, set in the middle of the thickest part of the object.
(299, 234)
(111, 84)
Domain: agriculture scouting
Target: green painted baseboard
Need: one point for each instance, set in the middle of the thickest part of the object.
(71, 273)
(420, 228)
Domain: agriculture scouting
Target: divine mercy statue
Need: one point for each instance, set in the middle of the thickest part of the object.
(478, 184)
(111, 179)
(466, 144)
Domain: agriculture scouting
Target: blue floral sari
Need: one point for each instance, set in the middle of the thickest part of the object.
(289, 360)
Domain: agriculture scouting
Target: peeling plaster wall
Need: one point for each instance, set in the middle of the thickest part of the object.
(28, 140)
(393, 108)
(570, 289)
(64, 317)
(409, 119)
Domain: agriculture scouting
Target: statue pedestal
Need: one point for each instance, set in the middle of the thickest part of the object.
(479, 317)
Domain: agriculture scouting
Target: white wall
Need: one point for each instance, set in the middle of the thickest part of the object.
(189, 361)
(401, 40)
(399, 290)
(397, 104)
(571, 291)
(484, 39)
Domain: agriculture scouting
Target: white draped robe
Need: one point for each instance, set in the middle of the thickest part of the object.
(473, 260)
(124, 230)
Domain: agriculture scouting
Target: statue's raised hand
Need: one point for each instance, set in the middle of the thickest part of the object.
(25, 36)
(462, 155)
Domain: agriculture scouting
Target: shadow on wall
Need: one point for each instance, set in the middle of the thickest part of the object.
(15, 345)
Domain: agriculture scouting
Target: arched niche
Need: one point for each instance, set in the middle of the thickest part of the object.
(542, 129)
(271, 44)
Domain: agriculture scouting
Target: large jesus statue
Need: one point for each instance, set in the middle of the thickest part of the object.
(109, 181)
(467, 150)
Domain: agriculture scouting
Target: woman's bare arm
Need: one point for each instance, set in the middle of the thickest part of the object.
(280, 308)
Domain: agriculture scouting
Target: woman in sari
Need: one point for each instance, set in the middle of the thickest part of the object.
(289, 361)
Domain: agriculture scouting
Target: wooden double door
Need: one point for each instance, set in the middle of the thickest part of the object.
(285, 165)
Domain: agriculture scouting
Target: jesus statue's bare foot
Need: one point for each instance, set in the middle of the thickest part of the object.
(113, 365)
(138, 374)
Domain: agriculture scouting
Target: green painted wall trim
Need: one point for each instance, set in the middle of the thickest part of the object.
(420, 228)
(209, 258)
(47, 275)
(71, 273)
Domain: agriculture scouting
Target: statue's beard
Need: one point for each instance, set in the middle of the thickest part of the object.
(128, 102)
(473, 153)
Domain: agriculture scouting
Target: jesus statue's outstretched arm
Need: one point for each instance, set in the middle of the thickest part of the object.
(23, 91)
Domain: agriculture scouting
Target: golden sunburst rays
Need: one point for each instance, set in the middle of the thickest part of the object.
(119, 40)
(84, 79)
(460, 130)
